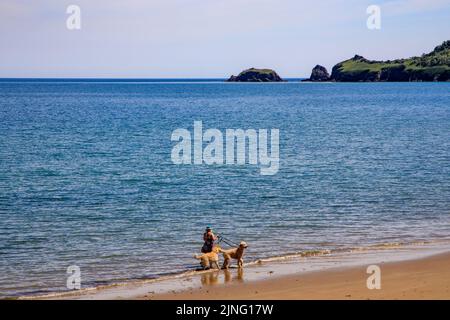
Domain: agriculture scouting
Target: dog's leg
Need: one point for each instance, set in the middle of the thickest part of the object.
(216, 263)
(226, 262)
(205, 264)
(240, 263)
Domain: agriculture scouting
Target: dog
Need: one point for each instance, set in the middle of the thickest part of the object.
(210, 259)
(236, 253)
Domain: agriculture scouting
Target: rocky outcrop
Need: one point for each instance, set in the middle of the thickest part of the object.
(256, 75)
(319, 73)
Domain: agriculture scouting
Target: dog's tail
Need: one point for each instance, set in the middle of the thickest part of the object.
(197, 256)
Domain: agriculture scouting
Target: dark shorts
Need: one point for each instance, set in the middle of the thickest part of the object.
(207, 247)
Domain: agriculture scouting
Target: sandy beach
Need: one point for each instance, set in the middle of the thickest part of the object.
(426, 278)
(406, 272)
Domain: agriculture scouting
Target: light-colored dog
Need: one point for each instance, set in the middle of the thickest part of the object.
(236, 253)
(210, 259)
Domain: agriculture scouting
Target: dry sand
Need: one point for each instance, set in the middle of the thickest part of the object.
(425, 278)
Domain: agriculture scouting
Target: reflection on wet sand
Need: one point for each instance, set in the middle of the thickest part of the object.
(239, 275)
(210, 278)
(214, 277)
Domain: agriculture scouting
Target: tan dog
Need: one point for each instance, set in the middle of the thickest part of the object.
(236, 253)
(207, 260)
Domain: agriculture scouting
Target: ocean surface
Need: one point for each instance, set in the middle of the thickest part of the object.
(86, 176)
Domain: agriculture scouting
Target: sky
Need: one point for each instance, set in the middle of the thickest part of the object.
(209, 38)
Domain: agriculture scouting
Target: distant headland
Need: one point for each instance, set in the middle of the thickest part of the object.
(433, 66)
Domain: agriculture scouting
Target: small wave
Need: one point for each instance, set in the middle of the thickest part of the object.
(301, 254)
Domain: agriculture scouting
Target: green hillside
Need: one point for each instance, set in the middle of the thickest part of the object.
(434, 66)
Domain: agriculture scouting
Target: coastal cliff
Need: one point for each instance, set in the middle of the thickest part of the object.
(434, 66)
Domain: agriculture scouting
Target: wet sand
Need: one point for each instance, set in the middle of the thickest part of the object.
(407, 272)
(425, 278)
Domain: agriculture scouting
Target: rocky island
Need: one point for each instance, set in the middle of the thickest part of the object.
(256, 75)
(319, 73)
(433, 66)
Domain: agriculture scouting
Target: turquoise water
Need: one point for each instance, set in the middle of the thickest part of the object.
(86, 176)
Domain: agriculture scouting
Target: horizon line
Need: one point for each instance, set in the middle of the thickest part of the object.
(126, 78)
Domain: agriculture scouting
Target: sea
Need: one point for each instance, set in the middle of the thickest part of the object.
(87, 178)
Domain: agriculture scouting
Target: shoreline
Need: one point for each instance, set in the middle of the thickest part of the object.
(420, 279)
(266, 276)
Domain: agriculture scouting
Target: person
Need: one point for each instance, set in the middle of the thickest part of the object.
(209, 239)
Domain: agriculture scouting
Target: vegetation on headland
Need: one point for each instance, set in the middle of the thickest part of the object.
(433, 66)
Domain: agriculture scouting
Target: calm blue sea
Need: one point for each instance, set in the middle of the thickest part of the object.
(86, 176)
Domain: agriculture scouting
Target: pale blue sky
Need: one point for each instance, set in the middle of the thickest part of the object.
(209, 38)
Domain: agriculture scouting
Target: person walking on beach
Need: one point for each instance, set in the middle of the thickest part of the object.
(209, 239)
